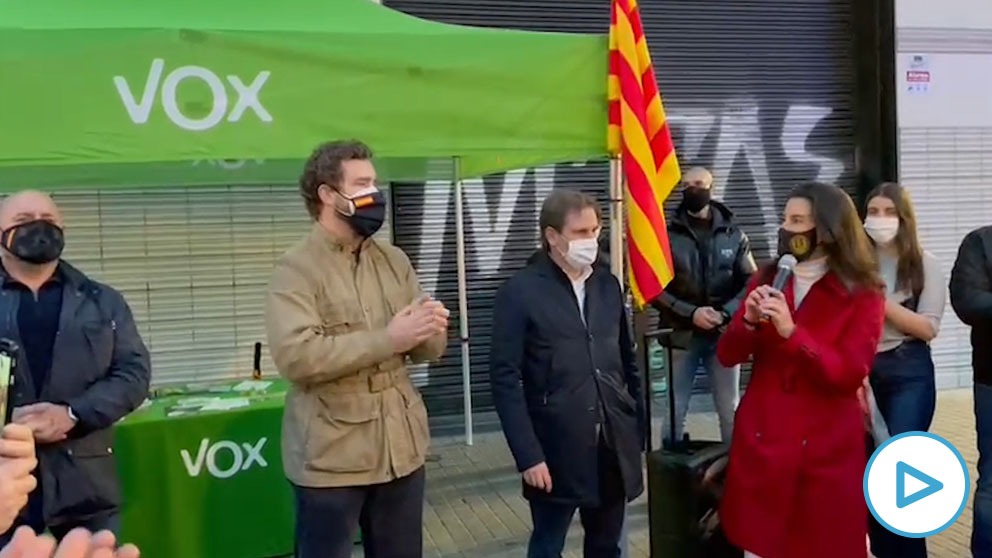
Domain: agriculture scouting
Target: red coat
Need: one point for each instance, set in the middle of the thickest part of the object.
(794, 480)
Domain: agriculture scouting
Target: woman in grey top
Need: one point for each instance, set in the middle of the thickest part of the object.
(902, 376)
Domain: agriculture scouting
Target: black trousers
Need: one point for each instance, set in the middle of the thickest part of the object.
(603, 525)
(390, 516)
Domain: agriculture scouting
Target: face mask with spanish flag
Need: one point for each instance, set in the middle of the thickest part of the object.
(365, 211)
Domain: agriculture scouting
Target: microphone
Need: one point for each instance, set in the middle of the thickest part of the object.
(785, 265)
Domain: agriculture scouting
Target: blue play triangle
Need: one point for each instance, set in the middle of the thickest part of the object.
(902, 499)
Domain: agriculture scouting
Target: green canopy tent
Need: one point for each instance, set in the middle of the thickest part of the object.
(139, 94)
(115, 93)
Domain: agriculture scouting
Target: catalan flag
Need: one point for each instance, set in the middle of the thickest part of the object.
(638, 134)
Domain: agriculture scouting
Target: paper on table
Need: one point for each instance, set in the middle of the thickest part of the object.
(252, 385)
(195, 401)
(225, 404)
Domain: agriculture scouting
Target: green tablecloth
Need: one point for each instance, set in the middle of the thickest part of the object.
(202, 483)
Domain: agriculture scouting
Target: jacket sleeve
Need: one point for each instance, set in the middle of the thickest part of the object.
(632, 375)
(842, 365)
(970, 285)
(432, 349)
(668, 301)
(125, 386)
(506, 360)
(744, 268)
(301, 349)
(672, 303)
(736, 344)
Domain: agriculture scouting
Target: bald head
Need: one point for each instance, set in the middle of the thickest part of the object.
(698, 177)
(28, 205)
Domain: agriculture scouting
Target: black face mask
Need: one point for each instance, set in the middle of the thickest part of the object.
(696, 199)
(368, 211)
(799, 244)
(35, 242)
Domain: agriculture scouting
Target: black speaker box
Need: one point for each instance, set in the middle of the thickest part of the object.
(682, 508)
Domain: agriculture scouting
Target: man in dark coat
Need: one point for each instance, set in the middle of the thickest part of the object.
(81, 367)
(712, 261)
(566, 386)
(971, 298)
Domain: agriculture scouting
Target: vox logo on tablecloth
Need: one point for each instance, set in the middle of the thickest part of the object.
(189, 116)
(223, 459)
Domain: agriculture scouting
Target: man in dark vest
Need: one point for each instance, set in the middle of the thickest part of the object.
(712, 262)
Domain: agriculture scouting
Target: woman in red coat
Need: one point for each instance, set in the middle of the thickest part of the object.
(794, 478)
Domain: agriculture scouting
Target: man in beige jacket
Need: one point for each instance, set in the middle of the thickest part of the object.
(344, 312)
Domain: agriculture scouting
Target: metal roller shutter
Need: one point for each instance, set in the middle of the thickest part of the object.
(746, 98)
(193, 263)
(943, 170)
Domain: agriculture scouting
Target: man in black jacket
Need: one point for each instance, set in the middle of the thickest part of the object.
(566, 386)
(971, 298)
(81, 367)
(713, 262)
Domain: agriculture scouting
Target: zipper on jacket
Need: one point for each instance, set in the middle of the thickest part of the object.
(704, 266)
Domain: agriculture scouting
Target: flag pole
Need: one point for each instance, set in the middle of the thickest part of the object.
(616, 218)
(463, 299)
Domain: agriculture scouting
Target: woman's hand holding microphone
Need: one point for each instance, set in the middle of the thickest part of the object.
(766, 303)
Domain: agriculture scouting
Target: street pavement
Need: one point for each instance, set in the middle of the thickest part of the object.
(473, 506)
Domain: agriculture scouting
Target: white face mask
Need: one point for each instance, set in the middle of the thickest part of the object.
(882, 229)
(582, 253)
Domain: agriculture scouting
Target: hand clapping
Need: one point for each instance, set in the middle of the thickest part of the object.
(416, 323)
(441, 313)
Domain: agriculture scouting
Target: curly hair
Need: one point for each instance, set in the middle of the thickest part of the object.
(324, 167)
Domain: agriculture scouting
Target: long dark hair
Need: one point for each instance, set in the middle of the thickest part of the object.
(841, 236)
(909, 272)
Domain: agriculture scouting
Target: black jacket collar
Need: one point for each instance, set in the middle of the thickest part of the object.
(722, 216)
(73, 277)
(542, 263)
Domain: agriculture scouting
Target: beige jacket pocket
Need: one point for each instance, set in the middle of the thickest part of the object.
(345, 434)
(416, 419)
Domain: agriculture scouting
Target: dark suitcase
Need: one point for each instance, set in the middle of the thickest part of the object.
(682, 517)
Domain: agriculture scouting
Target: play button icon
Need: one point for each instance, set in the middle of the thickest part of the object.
(914, 476)
(916, 484)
